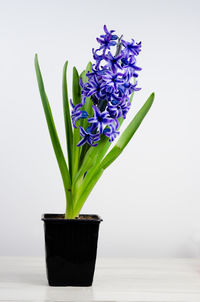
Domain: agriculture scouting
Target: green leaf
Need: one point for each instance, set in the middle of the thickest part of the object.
(88, 108)
(88, 102)
(82, 74)
(54, 137)
(76, 138)
(76, 90)
(67, 118)
(127, 134)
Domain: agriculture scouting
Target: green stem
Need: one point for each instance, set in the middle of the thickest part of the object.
(85, 193)
(76, 137)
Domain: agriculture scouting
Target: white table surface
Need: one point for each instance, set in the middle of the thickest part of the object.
(138, 280)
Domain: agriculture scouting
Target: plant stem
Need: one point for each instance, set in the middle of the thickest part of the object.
(93, 180)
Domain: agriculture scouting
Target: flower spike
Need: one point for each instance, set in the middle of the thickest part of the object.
(109, 85)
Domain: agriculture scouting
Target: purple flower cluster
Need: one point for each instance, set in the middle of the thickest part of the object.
(110, 84)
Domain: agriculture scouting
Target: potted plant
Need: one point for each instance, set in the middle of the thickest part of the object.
(101, 98)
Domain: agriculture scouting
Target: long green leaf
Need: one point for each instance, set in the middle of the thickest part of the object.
(76, 138)
(88, 108)
(54, 137)
(67, 118)
(76, 90)
(88, 102)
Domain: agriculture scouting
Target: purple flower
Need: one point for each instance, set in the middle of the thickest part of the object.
(130, 67)
(94, 87)
(88, 138)
(113, 62)
(115, 111)
(77, 113)
(97, 58)
(100, 119)
(118, 110)
(111, 94)
(107, 40)
(131, 48)
(125, 106)
(95, 73)
(113, 79)
(111, 132)
(127, 89)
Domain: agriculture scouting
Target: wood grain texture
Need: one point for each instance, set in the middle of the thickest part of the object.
(116, 280)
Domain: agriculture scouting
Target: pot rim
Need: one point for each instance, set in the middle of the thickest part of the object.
(53, 217)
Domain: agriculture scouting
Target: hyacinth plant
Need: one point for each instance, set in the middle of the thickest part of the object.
(101, 98)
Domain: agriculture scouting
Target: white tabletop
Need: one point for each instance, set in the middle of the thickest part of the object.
(138, 280)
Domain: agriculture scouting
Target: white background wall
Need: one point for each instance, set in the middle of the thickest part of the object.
(150, 198)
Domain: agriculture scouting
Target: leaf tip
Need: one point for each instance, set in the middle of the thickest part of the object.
(66, 63)
(74, 69)
(152, 95)
(36, 61)
(89, 66)
(150, 99)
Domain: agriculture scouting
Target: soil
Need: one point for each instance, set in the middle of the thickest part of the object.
(85, 217)
(80, 217)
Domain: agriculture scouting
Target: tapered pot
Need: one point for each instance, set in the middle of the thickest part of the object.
(71, 247)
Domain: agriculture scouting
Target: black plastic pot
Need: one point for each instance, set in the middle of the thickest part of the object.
(71, 246)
